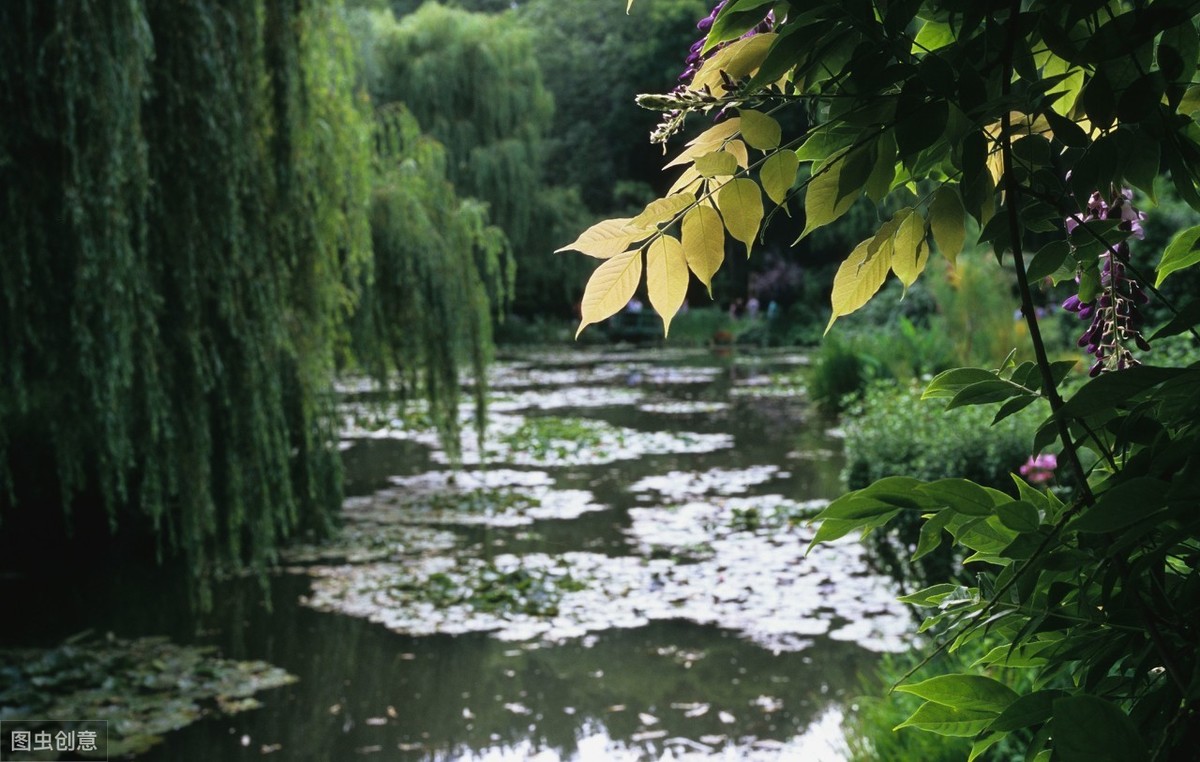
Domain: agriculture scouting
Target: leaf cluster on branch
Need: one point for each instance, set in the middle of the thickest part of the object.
(1010, 123)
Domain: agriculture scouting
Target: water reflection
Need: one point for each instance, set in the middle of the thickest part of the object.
(669, 686)
(364, 690)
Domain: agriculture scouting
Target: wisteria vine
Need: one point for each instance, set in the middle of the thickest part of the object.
(1115, 313)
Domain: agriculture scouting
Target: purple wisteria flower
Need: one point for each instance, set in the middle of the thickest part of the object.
(672, 120)
(1114, 315)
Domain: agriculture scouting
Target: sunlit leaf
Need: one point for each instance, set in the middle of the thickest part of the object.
(778, 174)
(703, 237)
(947, 220)
(974, 692)
(666, 277)
(707, 142)
(950, 382)
(737, 60)
(759, 130)
(861, 275)
(738, 149)
(686, 180)
(947, 721)
(662, 210)
(716, 164)
(606, 239)
(740, 202)
(1182, 252)
(834, 188)
(909, 253)
(610, 288)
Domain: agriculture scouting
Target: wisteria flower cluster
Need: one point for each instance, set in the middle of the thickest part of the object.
(1115, 315)
(679, 100)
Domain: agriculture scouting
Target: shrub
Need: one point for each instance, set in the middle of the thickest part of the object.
(893, 431)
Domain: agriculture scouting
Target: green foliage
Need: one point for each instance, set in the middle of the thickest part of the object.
(871, 724)
(473, 82)
(174, 286)
(188, 198)
(425, 305)
(593, 57)
(1007, 118)
(894, 431)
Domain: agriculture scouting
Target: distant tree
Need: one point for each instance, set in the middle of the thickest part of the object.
(185, 190)
(472, 82)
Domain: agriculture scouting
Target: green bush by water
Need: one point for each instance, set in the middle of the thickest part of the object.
(892, 431)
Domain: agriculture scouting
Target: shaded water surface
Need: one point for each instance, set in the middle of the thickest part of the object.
(691, 547)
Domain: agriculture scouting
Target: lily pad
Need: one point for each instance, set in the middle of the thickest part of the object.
(143, 688)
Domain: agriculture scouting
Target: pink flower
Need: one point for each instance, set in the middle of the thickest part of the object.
(1039, 469)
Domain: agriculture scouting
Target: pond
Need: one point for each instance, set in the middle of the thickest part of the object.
(617, 572)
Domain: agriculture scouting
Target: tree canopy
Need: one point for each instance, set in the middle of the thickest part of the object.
(1022, 125)
(187, 199)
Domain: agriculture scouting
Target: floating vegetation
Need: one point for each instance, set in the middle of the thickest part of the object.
(499, 498)
(553, 399)
(142, 688)
(681, 485)
(774, 386)
(755, 581)
(371, 535)
(548, 441)
(684, 407)
(551, 441)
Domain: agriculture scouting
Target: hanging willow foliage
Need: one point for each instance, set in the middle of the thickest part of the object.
(473, 82)
(428, 307)
(185, 195)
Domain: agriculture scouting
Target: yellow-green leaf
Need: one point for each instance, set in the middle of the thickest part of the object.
(607, 239)
(738, 149)
(834, 188)
(666, 278)
(662, 210)
(708, 141)
(628, 6)
(778, 173)
(909, 253)
(689, 177)
(717, 163)
(759, 130)
(947, 720)
(737, 60)
(740, 202)
(947, 220)
(703, 243)
(884, 170)
(863, 272)
(610, 288)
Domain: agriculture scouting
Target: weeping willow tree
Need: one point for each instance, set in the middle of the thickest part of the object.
(186, 197)
(473, 81)
(435, 258)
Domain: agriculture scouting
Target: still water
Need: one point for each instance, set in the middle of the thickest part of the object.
(669, 491)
